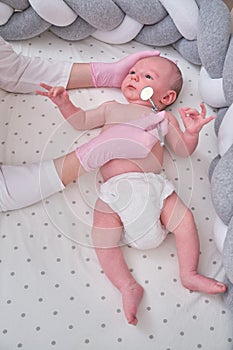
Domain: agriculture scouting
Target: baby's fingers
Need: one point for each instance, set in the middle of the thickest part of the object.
(46, 87)
(58, 90)
(203, 109)
(207, 120)
(187, 113)
(191, 112)
(42, 93)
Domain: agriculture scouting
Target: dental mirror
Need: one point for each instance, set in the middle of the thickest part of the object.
(146, 94)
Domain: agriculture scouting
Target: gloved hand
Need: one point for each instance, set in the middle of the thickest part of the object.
(133, 139)
(112, 74)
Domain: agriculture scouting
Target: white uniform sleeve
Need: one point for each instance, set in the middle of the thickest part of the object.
(21, 186)
(23, 74)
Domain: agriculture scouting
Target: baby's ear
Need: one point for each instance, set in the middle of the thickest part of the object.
(169, 97)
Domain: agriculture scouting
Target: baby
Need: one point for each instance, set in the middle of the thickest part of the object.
(137, 205)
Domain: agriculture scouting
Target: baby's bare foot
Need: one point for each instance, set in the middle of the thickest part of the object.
(203, 284)
(131, 297)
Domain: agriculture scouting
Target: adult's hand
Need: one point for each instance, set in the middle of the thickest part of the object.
(133, 139)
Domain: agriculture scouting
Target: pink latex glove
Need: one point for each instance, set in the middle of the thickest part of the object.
(134, 139)
(112, 74)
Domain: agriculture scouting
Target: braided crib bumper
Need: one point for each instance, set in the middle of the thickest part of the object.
(199, 30)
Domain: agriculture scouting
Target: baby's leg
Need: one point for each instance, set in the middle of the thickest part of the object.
(179, 220)
(106, 233)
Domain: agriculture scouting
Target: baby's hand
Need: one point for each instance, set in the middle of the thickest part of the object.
(57, 94)
(194, 120)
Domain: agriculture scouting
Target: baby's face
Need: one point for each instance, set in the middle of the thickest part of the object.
(151, 71)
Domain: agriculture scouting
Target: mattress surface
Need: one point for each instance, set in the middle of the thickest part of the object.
(53, 293)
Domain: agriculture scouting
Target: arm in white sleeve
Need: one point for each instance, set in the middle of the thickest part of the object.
(24, 185)
(23, 74)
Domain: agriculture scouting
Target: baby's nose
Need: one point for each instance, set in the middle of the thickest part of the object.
(134, 77)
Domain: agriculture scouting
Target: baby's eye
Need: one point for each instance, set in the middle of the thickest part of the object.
(148, 76)
(132, 72)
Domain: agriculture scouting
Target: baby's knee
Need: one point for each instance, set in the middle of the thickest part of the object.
(182, 217)
(104, 216)
(188, 215)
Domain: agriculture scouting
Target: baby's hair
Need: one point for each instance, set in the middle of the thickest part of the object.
(177, 81)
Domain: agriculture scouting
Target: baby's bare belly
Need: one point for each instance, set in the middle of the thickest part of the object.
(152, 163)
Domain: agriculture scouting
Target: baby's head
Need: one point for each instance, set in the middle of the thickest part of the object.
(162, 74)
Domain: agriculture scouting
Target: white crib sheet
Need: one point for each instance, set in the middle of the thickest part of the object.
(53, 294)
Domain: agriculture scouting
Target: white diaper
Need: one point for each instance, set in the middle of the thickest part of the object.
(138, 199)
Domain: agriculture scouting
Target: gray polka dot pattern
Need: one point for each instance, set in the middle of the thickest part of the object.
(53, 293)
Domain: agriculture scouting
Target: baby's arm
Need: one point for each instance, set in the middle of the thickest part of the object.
(77, 117)
(185, 143)
(60, 97)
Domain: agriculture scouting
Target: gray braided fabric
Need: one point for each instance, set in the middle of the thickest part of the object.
(200, 30)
